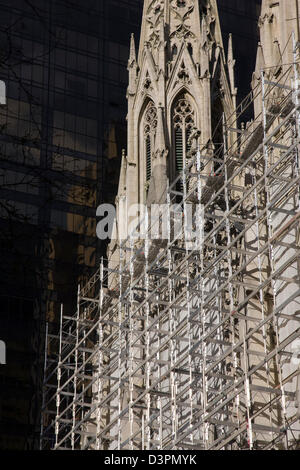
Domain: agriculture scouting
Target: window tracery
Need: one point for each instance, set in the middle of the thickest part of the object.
(150, 125)
(183, 124)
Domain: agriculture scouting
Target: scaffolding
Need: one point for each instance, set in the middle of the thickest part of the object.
(188, 342)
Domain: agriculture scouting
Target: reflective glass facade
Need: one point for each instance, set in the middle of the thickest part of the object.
(61, 138)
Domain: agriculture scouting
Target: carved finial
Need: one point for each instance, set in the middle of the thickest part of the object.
(123, 173)
(132, 68)
(230, 50)
(132, 56)
(231, 65)
(260, 61)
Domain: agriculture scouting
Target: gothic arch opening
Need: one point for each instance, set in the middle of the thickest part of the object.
(183, 121)
(147, 140)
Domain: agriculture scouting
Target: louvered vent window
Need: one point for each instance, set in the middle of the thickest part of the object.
(148, 158)
(188, 142)
(183, 122)
(150, 125)
(179, 155)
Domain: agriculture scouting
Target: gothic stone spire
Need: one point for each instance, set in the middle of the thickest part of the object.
(180, 60)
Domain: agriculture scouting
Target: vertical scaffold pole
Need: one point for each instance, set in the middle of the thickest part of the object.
(171, 319)
(74, 407)
(44, 386)
(261, 280)
(131, 323)
(120, 339)
(58, 381)
(296, 87)
(271, 246)
(100, 358)
(147, 339)
(199, 298)
(230, 263)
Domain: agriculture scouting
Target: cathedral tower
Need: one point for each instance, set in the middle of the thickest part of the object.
(180, 84)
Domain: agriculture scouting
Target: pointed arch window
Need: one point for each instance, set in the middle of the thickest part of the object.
(150, 125)
(183, 123)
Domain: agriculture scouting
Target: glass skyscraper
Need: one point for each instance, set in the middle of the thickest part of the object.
(61, 138)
